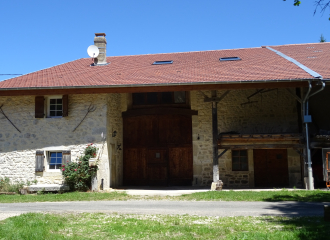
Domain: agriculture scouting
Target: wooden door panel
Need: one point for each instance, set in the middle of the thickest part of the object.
(140, 131)
(135, 166)
(157, 166)
(271, 168)
(261, 178)
(175, 129)
(180, 166)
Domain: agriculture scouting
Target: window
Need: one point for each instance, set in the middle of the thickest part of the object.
(162, 62)
(239, 160)
(159, 98)
(54, 160)
(229, 59)
(55, 106)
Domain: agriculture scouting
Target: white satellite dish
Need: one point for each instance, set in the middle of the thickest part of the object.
(93, 51)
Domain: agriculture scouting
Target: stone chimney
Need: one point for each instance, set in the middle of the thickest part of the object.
(101, 43)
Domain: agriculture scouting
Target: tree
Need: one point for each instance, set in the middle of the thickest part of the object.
(322, 39)
(319, 4)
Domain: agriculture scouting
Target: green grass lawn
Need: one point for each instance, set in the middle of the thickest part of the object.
(270, 196)
(114, 226)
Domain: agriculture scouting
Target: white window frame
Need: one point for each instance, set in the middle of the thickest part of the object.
(48, 105)
(48, 161)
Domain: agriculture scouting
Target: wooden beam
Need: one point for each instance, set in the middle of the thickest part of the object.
(217, 99)
(159, 111)
(262, 146)
(164, 88)
(215, 138)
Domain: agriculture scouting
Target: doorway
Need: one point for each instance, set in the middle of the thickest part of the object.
(158, 150)
(271, 168)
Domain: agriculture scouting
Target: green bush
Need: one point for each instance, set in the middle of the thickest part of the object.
(7, 186)
(78, 174)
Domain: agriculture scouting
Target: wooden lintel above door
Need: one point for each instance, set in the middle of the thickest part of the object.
(159, 111)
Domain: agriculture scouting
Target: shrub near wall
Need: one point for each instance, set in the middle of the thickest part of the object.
(78, 174)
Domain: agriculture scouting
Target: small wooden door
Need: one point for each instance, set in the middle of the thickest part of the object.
(135, 166)
(271, 168)
(157, 167)
(181, 167)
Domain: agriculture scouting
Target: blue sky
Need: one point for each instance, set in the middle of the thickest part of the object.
(41, 34)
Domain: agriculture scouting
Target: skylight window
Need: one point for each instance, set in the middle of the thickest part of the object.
(162, 62)
(229, 59)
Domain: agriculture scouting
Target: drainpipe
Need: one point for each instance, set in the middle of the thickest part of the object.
(307, 119)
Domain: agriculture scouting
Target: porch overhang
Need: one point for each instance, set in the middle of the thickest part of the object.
(260, 141)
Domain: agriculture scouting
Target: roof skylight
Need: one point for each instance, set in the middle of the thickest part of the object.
(229, 59)
(162, 62)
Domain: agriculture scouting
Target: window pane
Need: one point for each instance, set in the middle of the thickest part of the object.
(59, 113)
(59, 154)
(51, 166)
(244, 159)
(244, 166)
(152, 98)
(167, 98)
(243, 152)
(59, 101)
(52, 107)
(58, 107)
(52, 160)
(52, 101)
(235, 153)
(53, 154)
(235, 160)
(138, 99)
(52, 113)
(179, 97)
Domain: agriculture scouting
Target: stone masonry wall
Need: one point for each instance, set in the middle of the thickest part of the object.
(18, 150)
(275, 112)
(115, 102)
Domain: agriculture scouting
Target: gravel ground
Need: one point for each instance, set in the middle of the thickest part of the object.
(3, 216)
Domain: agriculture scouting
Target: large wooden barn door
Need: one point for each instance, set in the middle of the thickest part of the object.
(158, 150)
(271, 168)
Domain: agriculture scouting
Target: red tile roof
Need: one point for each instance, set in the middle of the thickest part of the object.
(257, 64)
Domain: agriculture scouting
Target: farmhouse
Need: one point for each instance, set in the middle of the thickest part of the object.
(176, 119)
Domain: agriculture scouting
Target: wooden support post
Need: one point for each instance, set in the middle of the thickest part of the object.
(215, 137)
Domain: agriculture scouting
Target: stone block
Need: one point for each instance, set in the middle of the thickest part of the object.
(216, 186)
(48, 188)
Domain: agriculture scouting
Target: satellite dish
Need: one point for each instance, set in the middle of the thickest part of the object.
(93, 51)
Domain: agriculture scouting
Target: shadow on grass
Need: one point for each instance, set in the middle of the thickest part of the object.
(319, 196)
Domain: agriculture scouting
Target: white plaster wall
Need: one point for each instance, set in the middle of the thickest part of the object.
(17, 150)
(275, 112)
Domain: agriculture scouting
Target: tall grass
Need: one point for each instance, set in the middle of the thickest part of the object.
(8, 186)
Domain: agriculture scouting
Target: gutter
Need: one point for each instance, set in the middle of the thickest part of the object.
(160, 84)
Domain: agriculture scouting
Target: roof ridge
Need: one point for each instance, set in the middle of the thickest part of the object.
(148, 54)
(296, 44)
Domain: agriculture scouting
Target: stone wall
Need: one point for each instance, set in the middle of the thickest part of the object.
(18, 150)
(112, 170)
(274, 112)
